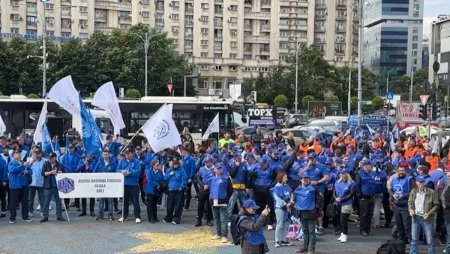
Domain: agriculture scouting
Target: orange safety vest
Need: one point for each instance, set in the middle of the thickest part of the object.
(303, 148)
(433, 160)
(316, 147)
(350, 141)
(409, 153)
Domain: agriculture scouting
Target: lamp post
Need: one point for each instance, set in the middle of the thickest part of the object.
(297, 46)
(146, 40)
(412, 77)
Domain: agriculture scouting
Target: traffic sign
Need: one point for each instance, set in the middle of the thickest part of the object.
(170, 87)
(424, 98)
(390, 96)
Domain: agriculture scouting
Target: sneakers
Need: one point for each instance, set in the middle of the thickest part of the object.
(285, 243)
(28, 220)
(344, 238)
(61, 219)
(229, 224)
(269, 228)
(43, 220)
(215, 237)
(30, 214)
(99, 218)
(12, 221)
(110, 218)
(38, 208)
(121, 219)
(320, 231)
(175, 223)
(277, 245)
(340, 237)
(138, 220)
(224, 240)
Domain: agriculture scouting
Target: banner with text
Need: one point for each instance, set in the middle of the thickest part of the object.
(95, 185)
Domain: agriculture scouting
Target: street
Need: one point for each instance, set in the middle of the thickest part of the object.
(86, 235)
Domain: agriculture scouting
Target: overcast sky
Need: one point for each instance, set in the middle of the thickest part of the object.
(432, 9)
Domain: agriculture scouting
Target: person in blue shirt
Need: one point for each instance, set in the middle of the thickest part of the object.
(238, 174)
(275, 161)
(176, 179)
(87, 166)
(153, 178)
(264, 179)
(107, 164)
(203, 176)
(281, 194)
(189, 167)
(3, 182)
(219, 194)
(380, 179)
(319, 175)
(251, 225)
(140, 156)
(344, 189)
(49, 171)
(18, 187)
(37, 180)
(112, 145)
(365, 192)
(293, 166)
(130, 167)
(70, 162)
(401, 185)
(333, 168)
(308, 205)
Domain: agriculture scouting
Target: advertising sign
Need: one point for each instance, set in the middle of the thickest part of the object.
(94, 185)
(320, 109)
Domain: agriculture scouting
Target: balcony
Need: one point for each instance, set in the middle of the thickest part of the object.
(256, 39)
(189, 23)
(340, 29)
(320, 28)
(319, 40)
(188, 36)
(341, 6)
(341, 17)
(218, 24)
(321, 6)
(320, 17)
(257, 15)
(265, 28)
(125, 19)
(113, 5)
(340, 40)
(264, 52)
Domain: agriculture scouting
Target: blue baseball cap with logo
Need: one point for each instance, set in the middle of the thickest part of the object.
(250, 203)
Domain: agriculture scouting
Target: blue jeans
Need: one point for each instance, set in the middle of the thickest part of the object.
(220, 215)
(309, 233)
(282, 225)
(48, 193)
(447, 246)
(428, 228)
(40, 192)
(238, 195)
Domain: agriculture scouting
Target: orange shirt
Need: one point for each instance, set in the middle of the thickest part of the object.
(303, 148)
(433, 160)
(316, 146)
(409, 153)
(350, 141)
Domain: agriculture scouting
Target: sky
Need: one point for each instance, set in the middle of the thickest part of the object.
(432, 9)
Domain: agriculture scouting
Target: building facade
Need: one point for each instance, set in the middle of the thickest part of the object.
(393, 38)
(440, 49)
(228, 40)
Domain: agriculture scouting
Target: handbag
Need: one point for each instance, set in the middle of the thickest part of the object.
(331, 210)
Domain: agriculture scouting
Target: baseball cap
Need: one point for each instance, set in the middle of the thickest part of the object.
(420, 179)
(207, 159)
(218, 165)
(367, 163)
(305, 175)
(250, 203)
(339, 161)
(403, 164)
(249, 156)
(264, 160)
(312, 156)
(128, 150)
(52, 155)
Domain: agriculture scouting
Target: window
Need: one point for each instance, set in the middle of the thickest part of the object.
(204, 42)
(83, 36)
(66, 10)
(31, 7)
(284, 34)
(233, 32)
(415, 37)
(66, 23)
(203, 82)
(15, 17)
(204, 18)
(31, 21)
(204, 6)
(83, 9)
(232, 68)
(233, 20)
(175, 16)
(145, 2)
(14, 30)
(415, 30)
(204, 54)
(66, 35)
(233, 8)
(217, 45)
(188, 44)
(50, 21)
(145, 14)
(218, 56)
(233, 44)
(175, 29)
(31, 32)
(50, 33)
(414, 45)
(204, 30)
(217, 84)
(49, 6)
(175, 4)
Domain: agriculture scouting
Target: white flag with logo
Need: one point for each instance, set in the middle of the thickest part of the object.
(106, 99)
(66, 96)
(161, 130)
(2, 126)
(37, 137)
(212, 128)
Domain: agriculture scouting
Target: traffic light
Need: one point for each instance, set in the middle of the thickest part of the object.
(436, 111)
(423, 112)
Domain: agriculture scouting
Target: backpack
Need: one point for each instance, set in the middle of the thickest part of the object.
(236, 233)
(395, 246)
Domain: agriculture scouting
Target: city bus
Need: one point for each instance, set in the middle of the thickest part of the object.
(21, 114)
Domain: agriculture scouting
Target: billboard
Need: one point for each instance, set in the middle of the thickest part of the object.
(408, 114)
(320, 109)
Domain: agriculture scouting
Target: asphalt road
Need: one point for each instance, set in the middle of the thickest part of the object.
(86, 235)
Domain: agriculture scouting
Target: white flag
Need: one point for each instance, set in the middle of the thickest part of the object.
(372, 131)
(106, 99)
(161, 130)
(2, 126)
(37, 137)
(212, 128)
(66, 96)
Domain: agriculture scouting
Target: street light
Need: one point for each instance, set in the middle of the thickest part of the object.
(412, 77)
(146, 40)
(297, 46)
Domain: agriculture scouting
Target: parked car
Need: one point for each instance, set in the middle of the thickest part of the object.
(293, 120)
(250, 130)
(330, 126)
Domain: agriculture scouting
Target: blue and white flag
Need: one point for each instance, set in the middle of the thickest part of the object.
(92, 139)
(2, 126)
(47, 146)
(212, 128)
(161, 130)
(38, 132)
(392, 143)
(372, 131)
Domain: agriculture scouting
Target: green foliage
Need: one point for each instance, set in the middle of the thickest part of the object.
(306, 99)
(402, 85)
(377, 102)
(117, 56)
(32, 96)
(354, 102)
(132, 93)
(332, 98)
(281, 100)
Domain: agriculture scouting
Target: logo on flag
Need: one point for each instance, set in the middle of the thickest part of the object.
(66, 185)
(161, 130)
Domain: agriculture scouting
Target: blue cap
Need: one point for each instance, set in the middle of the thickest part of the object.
(281, 147)
(256, 148)
(305, 175)
(329, 161)
(271, 147)
(367, 163)
(215, 156)
(231, 145)
(344, 170)
(249, 156)
(235, 149)
(225, 156)
(312, 156)
(350, 147)
(264, 160)
(128, 150)
(218, 165)
(338, 160)
(412, 161)
(250, 203)
(420, 179)
(358, 156)
(207, 159)
(386, 164)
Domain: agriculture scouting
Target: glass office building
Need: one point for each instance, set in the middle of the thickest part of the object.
(392, 38)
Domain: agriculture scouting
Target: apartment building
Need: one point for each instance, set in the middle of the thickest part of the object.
(228, 40)
(440, 50)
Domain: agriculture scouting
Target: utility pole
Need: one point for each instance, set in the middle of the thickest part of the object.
(296, 78)
(44, 53)
(360, 57)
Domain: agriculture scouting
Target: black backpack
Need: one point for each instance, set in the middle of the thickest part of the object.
(395, 246)
(236, 233)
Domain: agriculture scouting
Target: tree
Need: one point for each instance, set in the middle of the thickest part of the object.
(354, 102)
(281, 100)
(332, 98)
(132, 93)
(306, 99)
(32, 96)
(377, 103)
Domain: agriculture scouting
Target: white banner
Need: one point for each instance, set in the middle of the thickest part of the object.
(37, 136)
(2, 126)
(105, 98)
(66, 96)
(90, 185)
